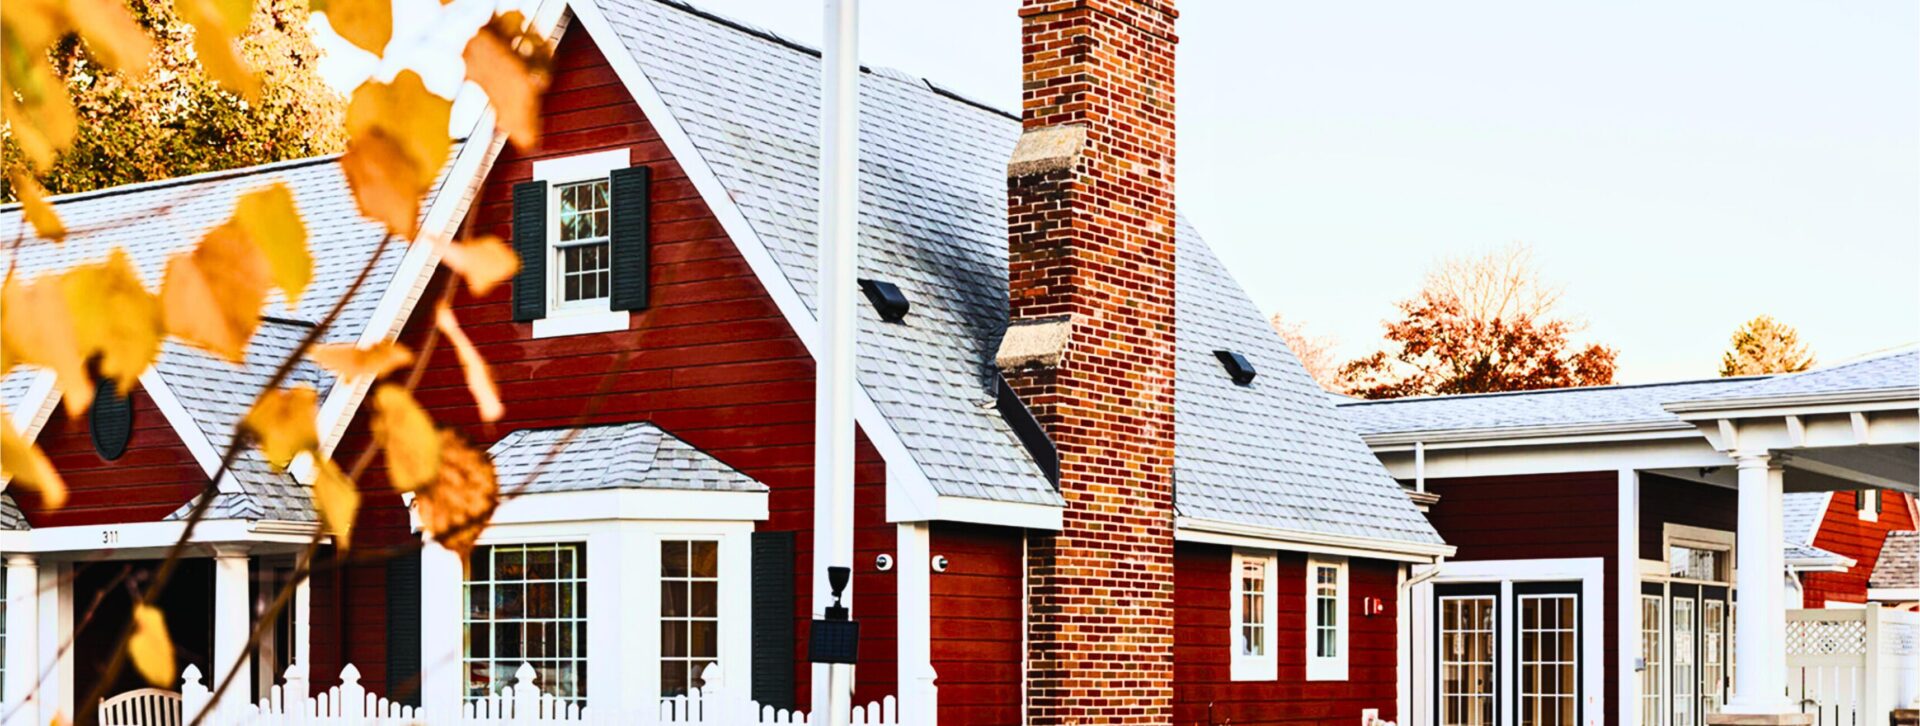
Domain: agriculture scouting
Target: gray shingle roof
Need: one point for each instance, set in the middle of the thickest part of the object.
(1809, 554)
(13, 389)
(633, 455)
(1899, 563)
(933, 221)
(10, 517)
(1894, 372)
(154, 220)
(1800, 513)
(1557, 407)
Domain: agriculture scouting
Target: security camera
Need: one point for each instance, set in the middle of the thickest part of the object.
(883, 562)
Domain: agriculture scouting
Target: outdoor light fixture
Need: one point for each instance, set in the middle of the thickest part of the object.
(836, 637)
(883, 562)
(1237, 366)
(887, 299)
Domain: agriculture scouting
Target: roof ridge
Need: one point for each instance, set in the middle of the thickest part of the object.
(1562, 389)
(176, 181)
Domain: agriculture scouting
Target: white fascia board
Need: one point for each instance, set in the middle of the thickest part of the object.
(1529, 435)
(1455, 460)
(1882, 399)
(1189, 529)
(1004, 514)
(603, 505)
(181, 421)
(1893, 594)
(910, 495)
(41, 397)
(141, 539)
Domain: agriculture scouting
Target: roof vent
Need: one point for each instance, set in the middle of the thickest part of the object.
(887, 299)
(111, 420)
(1237, 366)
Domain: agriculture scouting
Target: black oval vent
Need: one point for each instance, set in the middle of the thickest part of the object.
(111, 420)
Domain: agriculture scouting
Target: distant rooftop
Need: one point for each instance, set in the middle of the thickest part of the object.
(1626, 405)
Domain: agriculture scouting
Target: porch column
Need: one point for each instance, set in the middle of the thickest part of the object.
(1760, 655)
(1626, 576)
(232, 622)
(442, 675)
(23, 643)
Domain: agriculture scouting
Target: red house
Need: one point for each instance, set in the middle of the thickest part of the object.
(1093, 485)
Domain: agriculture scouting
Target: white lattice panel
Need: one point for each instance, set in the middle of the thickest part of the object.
(1810, 637)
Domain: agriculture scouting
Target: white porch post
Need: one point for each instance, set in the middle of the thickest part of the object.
(55, 627)
(442, 684)
(1626, 573)
(919, 699)
(23, 643)
(1760, 656)
(232, 623)
(303, 623)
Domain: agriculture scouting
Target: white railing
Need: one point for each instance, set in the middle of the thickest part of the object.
(1853, 667)
(520, 703)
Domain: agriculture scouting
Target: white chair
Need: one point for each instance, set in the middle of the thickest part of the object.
(144, 707)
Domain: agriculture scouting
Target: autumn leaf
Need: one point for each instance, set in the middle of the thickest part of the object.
(150, 647)
(365, 23)
(212, 295)
(512, 64)
(397, 143)
(23, 463)
(483, 262)
(382, 180)
(282, 421)
(114, 317)
(413, 447)
(38, 113)
(33, 201)
(456, 508)
(479, 380)
(36, 329)
(112, 35)
(351, 362)
(269, 218)
(217, 25)
(337, 499)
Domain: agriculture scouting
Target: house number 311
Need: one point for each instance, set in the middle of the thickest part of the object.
(109, 536)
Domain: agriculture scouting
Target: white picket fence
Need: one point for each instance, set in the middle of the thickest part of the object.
(520, 703)
(1853, 667)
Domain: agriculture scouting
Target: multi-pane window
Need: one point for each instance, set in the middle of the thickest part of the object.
(1467, 659)
(1326, 619)
(582, 249)
(1652, 675)
(1252, 613)
(1694, 563)
(1548, 660)
(689, 613)
(1713, 655)
(1253, 607)
(1685, 675)
(527, 603)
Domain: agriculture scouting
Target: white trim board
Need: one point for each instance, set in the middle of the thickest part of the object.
(1591, 572)
(1187, 529)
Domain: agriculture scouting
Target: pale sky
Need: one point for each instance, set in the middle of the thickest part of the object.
(1679, 167)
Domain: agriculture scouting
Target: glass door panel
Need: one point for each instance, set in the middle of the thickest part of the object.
(1469, 651)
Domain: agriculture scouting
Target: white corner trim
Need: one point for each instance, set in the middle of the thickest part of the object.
(561, 323)
(1244, 666)
(1334, 668)
(1188, 529)
(879, 431)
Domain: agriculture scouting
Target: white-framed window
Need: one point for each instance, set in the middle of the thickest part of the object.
(1327, 615)
(689, 613)
(1652, 647)
(526, 603)
(1253, 610)
(1469, 654)
(1549, 677)
(579, 247)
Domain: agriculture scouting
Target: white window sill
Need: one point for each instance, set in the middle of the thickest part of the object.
(1254, 668)
(1321, 670)
(560, 324)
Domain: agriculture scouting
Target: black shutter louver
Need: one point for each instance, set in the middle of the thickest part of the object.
(773, 647)
(628, 198)
(530, 242)
(403, 628)
(110, 420)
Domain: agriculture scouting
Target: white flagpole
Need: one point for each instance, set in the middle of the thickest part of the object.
(834, 368)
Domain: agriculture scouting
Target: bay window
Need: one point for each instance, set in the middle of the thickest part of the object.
(527, 603)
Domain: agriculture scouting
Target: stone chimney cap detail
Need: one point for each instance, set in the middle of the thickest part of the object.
(1047, 149)
(1036, 342)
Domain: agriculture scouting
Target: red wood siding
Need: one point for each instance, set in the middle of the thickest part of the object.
(711, 361)
(1843, 532)
(1203, 687)
(154, 477)
(1665, 500)
(978, 606)
(1536, 517)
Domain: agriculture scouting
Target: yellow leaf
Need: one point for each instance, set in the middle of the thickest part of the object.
(413, 446)
(338, 501)
(365, 23)
(479, 380)
(408, 114)
(382, 176)
(282, 421)
(114, 316)
(512, 64)
(36, 329)
(456, 508)
(41, 117)
(151, 648)
(212, 295)
(33, 201)
(112, 34)
(351, 362)
(484, 261)
(23, 463)
(270, 219)
(217, 27)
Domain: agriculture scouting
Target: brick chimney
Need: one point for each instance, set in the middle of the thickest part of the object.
(1090, 349)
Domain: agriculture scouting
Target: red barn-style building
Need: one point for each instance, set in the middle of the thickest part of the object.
(1093, 486)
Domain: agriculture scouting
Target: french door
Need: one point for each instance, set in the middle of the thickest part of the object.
(1469, 654)
(1508, 654)
(1698, 648)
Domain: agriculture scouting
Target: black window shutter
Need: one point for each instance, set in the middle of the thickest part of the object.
(629, 201)
(403, 628)
(530, 241)
(773, 678)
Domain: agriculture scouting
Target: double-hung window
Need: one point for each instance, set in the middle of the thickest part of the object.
(1253, 611)
(582, 247)
(580, 228)
(1327, 614)
(527, 603)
